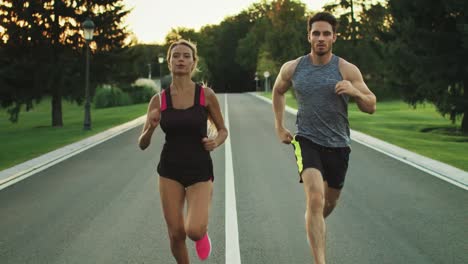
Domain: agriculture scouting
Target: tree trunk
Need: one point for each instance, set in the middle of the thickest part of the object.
(464, 123)
(353, 24)
(57, 109)
(56, 86)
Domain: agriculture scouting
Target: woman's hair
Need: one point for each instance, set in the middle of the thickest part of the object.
(212, 131)
(185, 43)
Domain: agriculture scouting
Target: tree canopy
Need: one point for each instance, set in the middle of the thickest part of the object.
(42, 49)
(405, 49)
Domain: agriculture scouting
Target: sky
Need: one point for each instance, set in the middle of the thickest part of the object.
(151, 20)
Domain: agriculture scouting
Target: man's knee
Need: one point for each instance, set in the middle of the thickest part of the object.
(331, 197)
(331, 203)
(315, 202)
(314, 189)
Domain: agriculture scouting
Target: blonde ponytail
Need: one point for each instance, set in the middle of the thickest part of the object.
(212, 131)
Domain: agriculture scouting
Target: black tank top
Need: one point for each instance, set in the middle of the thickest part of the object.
(184, 129)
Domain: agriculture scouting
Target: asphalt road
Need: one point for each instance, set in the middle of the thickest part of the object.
(102, 205)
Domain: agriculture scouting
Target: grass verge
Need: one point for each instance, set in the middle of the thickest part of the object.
(422, 130)
(33, 135)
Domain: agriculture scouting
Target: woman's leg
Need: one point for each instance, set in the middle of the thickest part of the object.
(172, 199)
(198, 207)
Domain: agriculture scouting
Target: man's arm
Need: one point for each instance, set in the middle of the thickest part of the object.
(282, 84)
(354, 86)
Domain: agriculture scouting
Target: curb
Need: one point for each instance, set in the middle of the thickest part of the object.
(24, 170)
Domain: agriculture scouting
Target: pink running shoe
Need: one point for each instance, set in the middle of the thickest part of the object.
(203, 247)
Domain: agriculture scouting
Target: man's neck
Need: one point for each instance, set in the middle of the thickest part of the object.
(320, 59)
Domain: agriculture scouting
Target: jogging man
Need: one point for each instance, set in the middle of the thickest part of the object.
(323, 83)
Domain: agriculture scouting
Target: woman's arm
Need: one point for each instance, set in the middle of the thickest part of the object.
(153, 117)
(214, 111)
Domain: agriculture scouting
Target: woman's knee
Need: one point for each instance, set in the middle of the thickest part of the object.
(177, 234)
(196, 232)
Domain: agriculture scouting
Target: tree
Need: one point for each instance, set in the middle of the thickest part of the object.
(216, 46)
(267, 64)
(287, 37)
(110, 40)
(42, 39)
(132, 63)
(278, 35)
(373, 34)
(182, 33)
(430, 40)
(348, 23)
(21, 50)
(249, 46)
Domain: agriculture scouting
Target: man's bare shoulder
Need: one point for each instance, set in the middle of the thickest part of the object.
(348, 70)
(346, 65)
(288, 68)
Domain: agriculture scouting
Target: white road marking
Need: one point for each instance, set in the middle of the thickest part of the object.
(232, 232)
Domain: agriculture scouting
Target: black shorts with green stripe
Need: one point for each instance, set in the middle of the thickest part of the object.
(331, 162)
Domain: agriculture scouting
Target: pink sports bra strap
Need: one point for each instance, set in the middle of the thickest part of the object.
(202, 96)
(163, 100)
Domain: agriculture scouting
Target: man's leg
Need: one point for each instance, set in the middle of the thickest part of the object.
(315, 204)
(335, 165)
(331, 198)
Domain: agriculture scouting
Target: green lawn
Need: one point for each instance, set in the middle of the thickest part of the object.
(422, 130)
(33, 134)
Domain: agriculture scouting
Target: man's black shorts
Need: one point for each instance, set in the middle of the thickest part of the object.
(331, 162)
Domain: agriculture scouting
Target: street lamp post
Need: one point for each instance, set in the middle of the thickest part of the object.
(160, 60)
(88, 28)
(256, 81)
(266, 74)
(149, 70)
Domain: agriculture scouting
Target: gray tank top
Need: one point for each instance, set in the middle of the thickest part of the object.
(322, 115)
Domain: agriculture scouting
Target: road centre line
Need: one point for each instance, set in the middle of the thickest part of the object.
(232, 233)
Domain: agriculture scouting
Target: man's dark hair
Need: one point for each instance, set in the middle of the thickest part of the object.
(322, 16)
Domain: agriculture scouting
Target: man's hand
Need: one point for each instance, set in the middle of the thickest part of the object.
(209, 143)
(284, 135)
(346, 87)
(154, 117)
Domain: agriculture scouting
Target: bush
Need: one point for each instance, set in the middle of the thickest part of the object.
(166, 81)
(142, 82)
(109, 96)
(142, 90)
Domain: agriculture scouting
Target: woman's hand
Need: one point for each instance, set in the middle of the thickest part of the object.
(209, 143)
